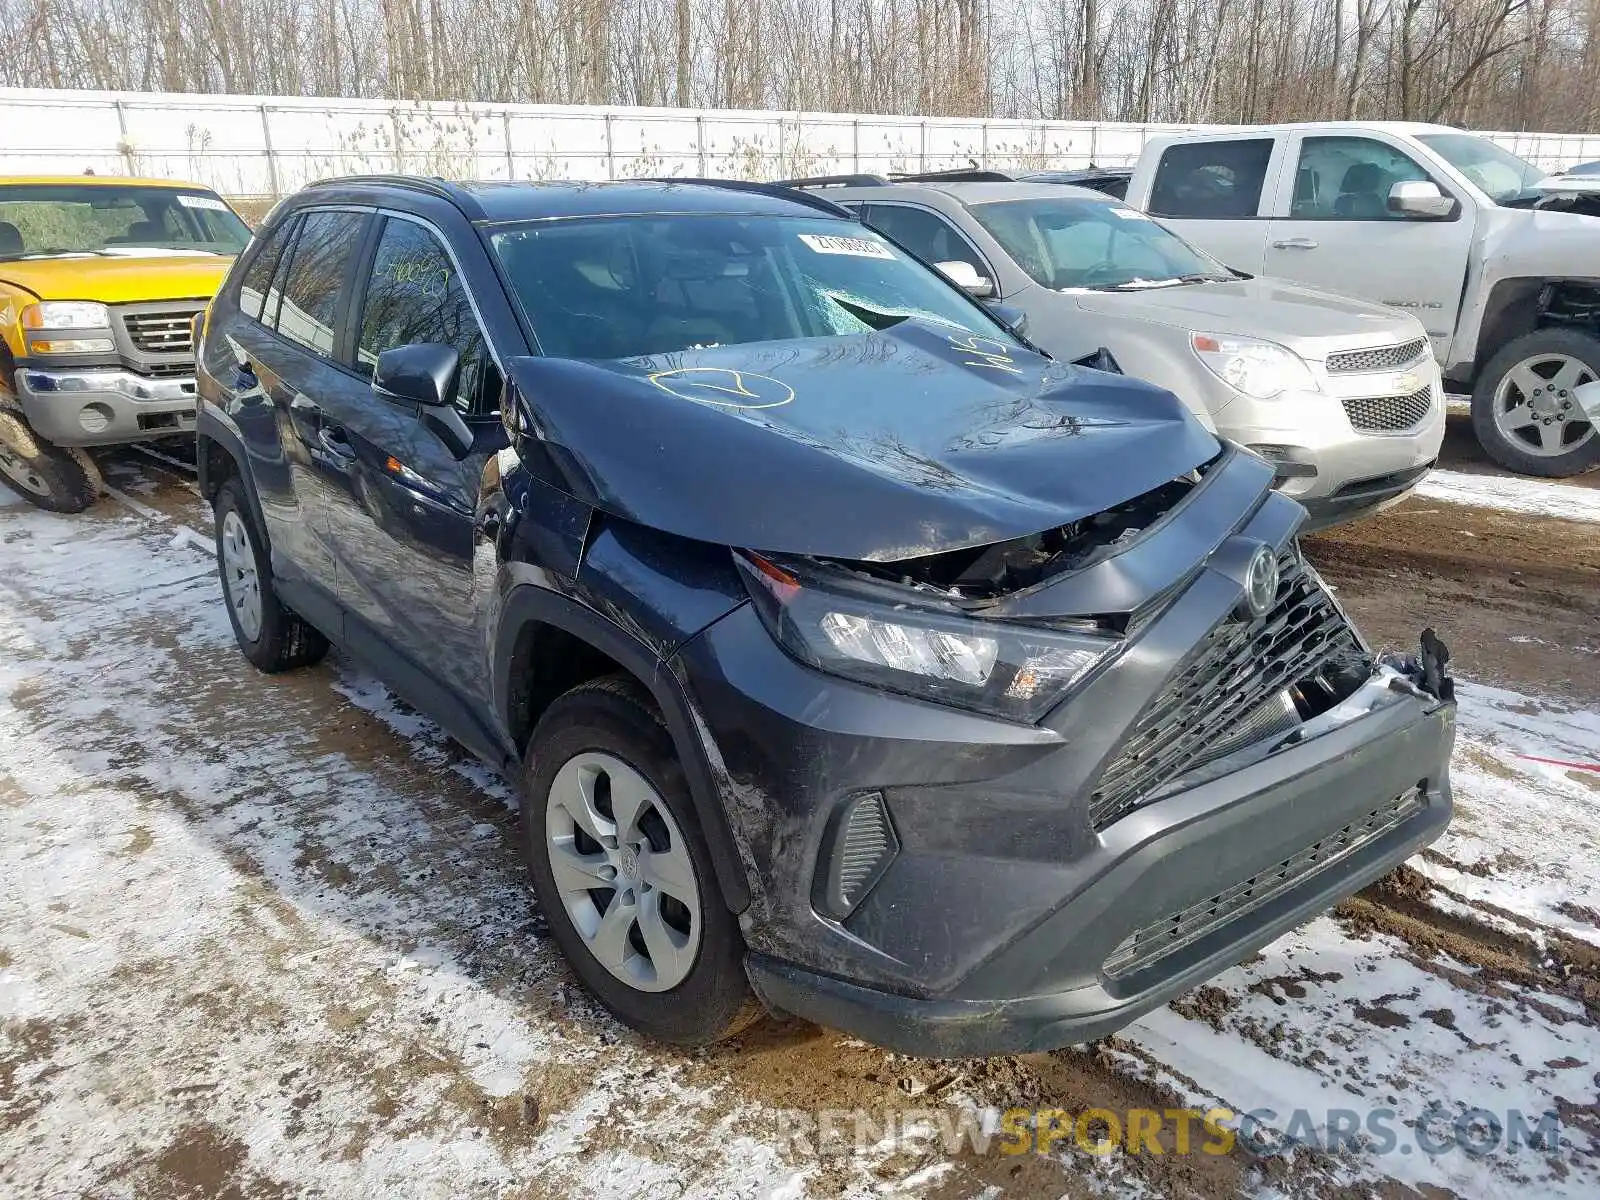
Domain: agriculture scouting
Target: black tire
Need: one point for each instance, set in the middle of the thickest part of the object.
(1507, 449)
(49, 476)
(616, 717)
(285, 640)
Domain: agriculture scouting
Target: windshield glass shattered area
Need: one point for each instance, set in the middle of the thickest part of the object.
(1096, 244)
(111, 220)
(626, 287)
(1498, 173)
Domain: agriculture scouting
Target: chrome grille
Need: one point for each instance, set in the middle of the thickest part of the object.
(1382, 358)
(1388, 414)
(1237, 668)
(160, 332)
(1183, 928)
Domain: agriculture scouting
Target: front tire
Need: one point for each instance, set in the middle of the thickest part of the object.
(272, 636)
(1524, 410)
(53, 477)
(621, 870)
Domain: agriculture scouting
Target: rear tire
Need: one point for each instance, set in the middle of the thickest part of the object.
(272, 636)
(636, 910)
(1523, 408)
(53, 477)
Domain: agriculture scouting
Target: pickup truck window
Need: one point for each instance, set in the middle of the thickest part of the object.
(1348, 179)
(66, 220)
(1505, 178)
(1093, 244)
(1213, 179)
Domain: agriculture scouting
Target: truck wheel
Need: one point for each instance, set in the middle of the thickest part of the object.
(1523, 407)
(55, 478)
(272, 636)
(622, 873)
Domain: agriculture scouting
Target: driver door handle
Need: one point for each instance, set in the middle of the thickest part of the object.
(1295, 243)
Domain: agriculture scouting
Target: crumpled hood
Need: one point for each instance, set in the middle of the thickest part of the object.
(1263, 307)
(120, 280)
(883, 446)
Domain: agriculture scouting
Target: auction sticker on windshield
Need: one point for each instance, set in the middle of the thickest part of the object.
(858, 247)
(206, 202)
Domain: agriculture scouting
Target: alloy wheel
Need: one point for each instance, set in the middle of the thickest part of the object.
(15, 468)
(1535, 407)
(622, 868)
(239, 576)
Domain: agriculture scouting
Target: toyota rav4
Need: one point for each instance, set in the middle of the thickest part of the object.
(856, 661)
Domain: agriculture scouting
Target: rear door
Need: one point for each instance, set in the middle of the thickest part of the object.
(404, 522)
(286, 352)
(1215, 193)
(1332, 228)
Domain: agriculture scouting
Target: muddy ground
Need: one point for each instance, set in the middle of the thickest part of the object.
(269, 937)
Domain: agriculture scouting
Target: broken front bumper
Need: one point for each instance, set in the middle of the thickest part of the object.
(99, 406)
(1181, 889)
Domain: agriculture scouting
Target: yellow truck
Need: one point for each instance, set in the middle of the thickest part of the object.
(100, 282)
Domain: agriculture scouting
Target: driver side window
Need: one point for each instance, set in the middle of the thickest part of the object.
(1348, 179)
(927, 235)
(414, 295)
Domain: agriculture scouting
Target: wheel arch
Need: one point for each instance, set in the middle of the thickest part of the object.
(220, 456)
(537, 626)
(1517, 307)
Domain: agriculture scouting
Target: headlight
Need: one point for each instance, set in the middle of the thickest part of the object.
(66, 314)
(1017, 672)
(1256, 368)
(43, 322)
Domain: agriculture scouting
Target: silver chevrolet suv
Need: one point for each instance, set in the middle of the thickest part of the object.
(1341, 395)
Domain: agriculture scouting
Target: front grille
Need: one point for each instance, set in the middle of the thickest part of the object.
(1388, 414)
(160, 332)
(1186, 926)
(1239, 666)
(166, 370)
(1383, 358)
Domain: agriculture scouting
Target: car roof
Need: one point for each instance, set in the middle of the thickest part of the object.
(1406, 128)
(971, 193)
(100, 181)
(497, 201)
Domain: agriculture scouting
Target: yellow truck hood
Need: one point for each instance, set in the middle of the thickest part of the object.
(119, 280)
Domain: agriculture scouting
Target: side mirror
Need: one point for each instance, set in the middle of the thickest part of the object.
(425, 374)
(965, 276)
(1012, 317)
(1421, 200)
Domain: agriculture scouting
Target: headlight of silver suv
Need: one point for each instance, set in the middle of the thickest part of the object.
(1255, 368)
(1017, 672)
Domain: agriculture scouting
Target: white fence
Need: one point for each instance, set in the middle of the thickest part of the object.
(248, 146)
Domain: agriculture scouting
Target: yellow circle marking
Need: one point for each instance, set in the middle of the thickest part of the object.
(723, 387)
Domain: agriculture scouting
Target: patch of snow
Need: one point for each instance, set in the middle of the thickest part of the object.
(1518, 494)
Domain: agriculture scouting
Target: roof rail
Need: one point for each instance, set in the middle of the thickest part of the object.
(955, 175)
(818, 181)
(433, 185)
(781, 191)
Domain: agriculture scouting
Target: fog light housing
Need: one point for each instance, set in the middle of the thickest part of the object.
(862, 845)
(1288, 462)
(95, 418)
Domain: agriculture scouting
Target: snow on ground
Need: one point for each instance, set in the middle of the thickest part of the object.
(271, 935)
(1531, 497)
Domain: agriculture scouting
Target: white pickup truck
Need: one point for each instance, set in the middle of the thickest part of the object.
(1501, 264)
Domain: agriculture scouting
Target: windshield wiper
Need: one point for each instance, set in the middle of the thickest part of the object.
(871, 317)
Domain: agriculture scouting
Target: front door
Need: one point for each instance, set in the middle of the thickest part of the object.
(404, 531)
(1332, 229)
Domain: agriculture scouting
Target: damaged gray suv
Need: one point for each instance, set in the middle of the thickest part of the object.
(854, 660)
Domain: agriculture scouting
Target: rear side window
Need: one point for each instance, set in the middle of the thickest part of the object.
(309, 312)
(258, 279)
(415, 295)
(1211, 180)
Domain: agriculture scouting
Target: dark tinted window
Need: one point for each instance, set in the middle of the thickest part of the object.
(258, 279)
(414, 296)
(1211, 179)
(927, 235)
(309, 311)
